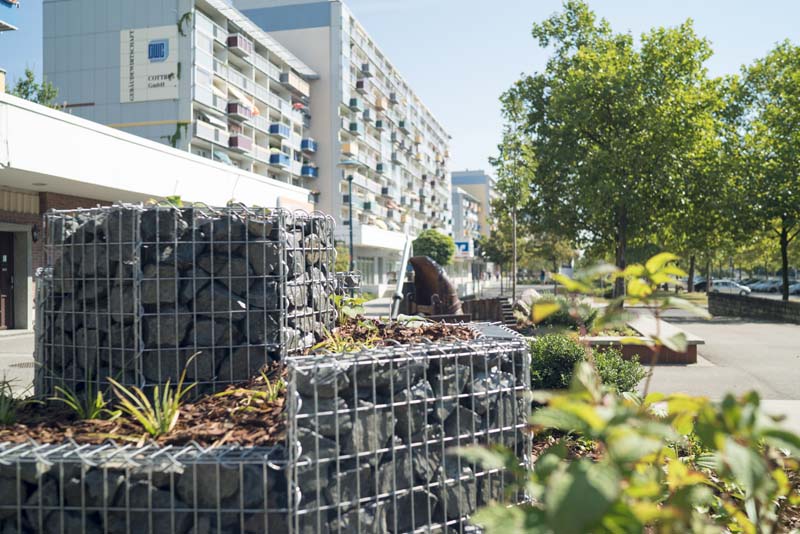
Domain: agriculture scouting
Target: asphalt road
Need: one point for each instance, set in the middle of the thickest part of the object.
(16, 360)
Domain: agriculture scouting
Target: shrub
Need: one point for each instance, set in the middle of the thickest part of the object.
(568, 316)
(437, 246)
(553, 360)
(554, 357)
(618, 373)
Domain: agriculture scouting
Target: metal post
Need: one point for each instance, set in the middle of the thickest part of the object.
(350, 215)
(514, 248)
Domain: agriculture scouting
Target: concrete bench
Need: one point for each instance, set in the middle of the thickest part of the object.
(649, 327)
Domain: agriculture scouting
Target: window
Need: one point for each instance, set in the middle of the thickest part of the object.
(367, 268)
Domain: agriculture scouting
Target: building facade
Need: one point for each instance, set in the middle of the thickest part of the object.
(480, 186)
(199, 76)
(466, 216)
(379, 137)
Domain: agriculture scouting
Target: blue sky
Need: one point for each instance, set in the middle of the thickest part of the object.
(460, 55)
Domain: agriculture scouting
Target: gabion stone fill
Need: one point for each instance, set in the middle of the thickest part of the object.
(375, 431)
(120, 490)
(140, 293)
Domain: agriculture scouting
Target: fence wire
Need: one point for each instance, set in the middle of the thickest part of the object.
(140, 293)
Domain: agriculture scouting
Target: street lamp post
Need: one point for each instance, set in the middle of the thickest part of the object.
(350, 217)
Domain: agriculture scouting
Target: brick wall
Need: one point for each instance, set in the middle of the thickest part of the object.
(753, 307)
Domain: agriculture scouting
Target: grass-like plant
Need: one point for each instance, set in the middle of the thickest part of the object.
(271, 393)
(90, 406)
(10, 403)
(161, 415)
(337, 343)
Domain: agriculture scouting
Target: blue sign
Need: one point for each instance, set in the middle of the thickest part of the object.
(462, 247)
(158, 51)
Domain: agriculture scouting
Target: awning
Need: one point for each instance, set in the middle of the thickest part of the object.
(380, 223)
(238, 95)
(211, 119)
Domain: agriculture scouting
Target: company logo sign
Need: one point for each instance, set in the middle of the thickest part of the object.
(158, 51)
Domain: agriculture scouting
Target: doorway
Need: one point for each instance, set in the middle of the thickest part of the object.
(6, 280)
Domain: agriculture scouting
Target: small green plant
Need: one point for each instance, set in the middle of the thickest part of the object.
(559, 312)
(337, 343)
(618, 373)
(8, 403)
(348, 308)
(161, 415)
(88, 406)
(271, 392)
(553, 360)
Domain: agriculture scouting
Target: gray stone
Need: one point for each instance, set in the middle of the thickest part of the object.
(292, 339)
(457, 490)
(259, 226)
(369, 519)
(372, 428)
(328, 378)
(92, 260)
(302, 319)
(412, 407)
(160, 284)
(447, 385)
(119, 225)
(487, 389)
(395, 473)
(314, 249)
(411, 511)
(263, 294)
(241, 364)
(232, 272)
(294, 252)
(162, 225)
(463, 423)
(94, 489)
(316, 446)
(264, 257)
(384, 375)
(263, 328)
(121, 303)
(148, 505)
(215, 298)
(72, 522)
(158, 366)
(167, 329)
(206, 484)
(348, 486)
(297, 292)
(122, 336)
(329, 417)
(44, 497)
(9, 492)
(207, 333)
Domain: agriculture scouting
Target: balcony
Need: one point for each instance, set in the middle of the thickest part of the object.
(355, 104)
(220, 69)
(403, 126)
(308, 145)
(381, 103)
(380, 168)
(393, 98)
(366, 70)
(240, 45)
(418, 156)
(279, 159)
(418, 139)
(385, 191)
(295, 84)
(240, 143)
(380, 125)
(367, 115)
(396, 137)
(350, 149)
(356, 128)
(367, 206)
(239, 112)
(309, 171)
(362, 86)
(279, 129)
(204, 130)
(398, 158)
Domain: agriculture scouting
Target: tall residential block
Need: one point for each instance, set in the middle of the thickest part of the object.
(194, 74)
(378, 133)
(482, 187)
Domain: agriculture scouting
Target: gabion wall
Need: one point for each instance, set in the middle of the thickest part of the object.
(367, 451)
(133, 292)
(375, 430)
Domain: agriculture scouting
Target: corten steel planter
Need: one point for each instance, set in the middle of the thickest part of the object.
(368, 449)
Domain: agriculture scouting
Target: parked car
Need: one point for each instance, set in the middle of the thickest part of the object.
(767, 286)
(794, 289)
(730, 287)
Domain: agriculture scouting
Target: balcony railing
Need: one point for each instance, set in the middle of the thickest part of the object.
(310, 171)
(240, 143)
(356, 128)
(355, 104)
(260, 123)
(238, 79)
(240, 45)
(366, 70)
(350, 149)
(220, 69)
(267, 67)
(308, 145)
(204, 130)
(239, 112)
(362, 86)
(261, 153)
(280, 130)
(280, 160)
(380, 124)
(403, 125)
(381, 103)
(380, 168)
(295, 83)
(367, 115)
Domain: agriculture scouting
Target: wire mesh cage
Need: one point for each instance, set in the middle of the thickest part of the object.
(113, 489)
(375, 433)
(138, 293)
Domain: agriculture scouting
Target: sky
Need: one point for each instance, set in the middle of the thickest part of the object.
(460, 55)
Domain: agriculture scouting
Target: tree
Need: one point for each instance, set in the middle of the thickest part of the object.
(611, 125)
(342, 263)
(437, 246)
(42, 93)
(770, 122)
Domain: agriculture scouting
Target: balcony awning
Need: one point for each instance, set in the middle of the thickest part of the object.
(241, 97)
(214, 121)
(263, 38)
(219, 92)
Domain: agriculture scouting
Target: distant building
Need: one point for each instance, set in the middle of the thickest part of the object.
(375, 128)
(481, 186)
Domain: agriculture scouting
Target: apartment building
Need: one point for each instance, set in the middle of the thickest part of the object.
(466, 216)
(198, 76)
(482, 187)
(380, 138)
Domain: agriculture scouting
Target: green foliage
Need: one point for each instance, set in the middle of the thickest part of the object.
(342, 263)
(618, 373)
(87, 406)
(9, 402)
(348, 308)
(437, 246)
(574, 315)
(257, 398)
(337, 343)
(553, 360)
(28, 88)
(690, 465)
(159, 416)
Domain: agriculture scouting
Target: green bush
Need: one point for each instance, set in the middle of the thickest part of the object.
(623, 375)
(553, 360)
(570, 316)
(554, 357)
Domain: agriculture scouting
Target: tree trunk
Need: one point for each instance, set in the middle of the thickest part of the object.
(500, 266)
(622, 246)
(514, 268)
(690, 285)
(785, 262)
(709, 281)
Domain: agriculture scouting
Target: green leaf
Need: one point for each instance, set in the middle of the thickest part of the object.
(676, 343)
(500, 519)
(540, 312)
(550, 459)
(783, 439)
(657, 262)
(486, 458)
(573, 286)
(578, 497)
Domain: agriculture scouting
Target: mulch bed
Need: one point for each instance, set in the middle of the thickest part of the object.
(237, 417)
(383, 334)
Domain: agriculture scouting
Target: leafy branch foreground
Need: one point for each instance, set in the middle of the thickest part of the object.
(659, 464)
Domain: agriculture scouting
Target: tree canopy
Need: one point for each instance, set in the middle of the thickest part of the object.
(28, 88)
(437, 246)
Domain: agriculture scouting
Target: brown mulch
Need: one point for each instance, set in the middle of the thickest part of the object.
(237, 417)
(366, 330)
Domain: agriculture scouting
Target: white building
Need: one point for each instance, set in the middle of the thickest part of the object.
(482, 187)
(375, 130)
(194, 74)
(50, 159)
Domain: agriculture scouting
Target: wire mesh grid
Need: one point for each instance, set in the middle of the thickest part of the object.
(138, 293)
(116, 489)
(375, 431)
